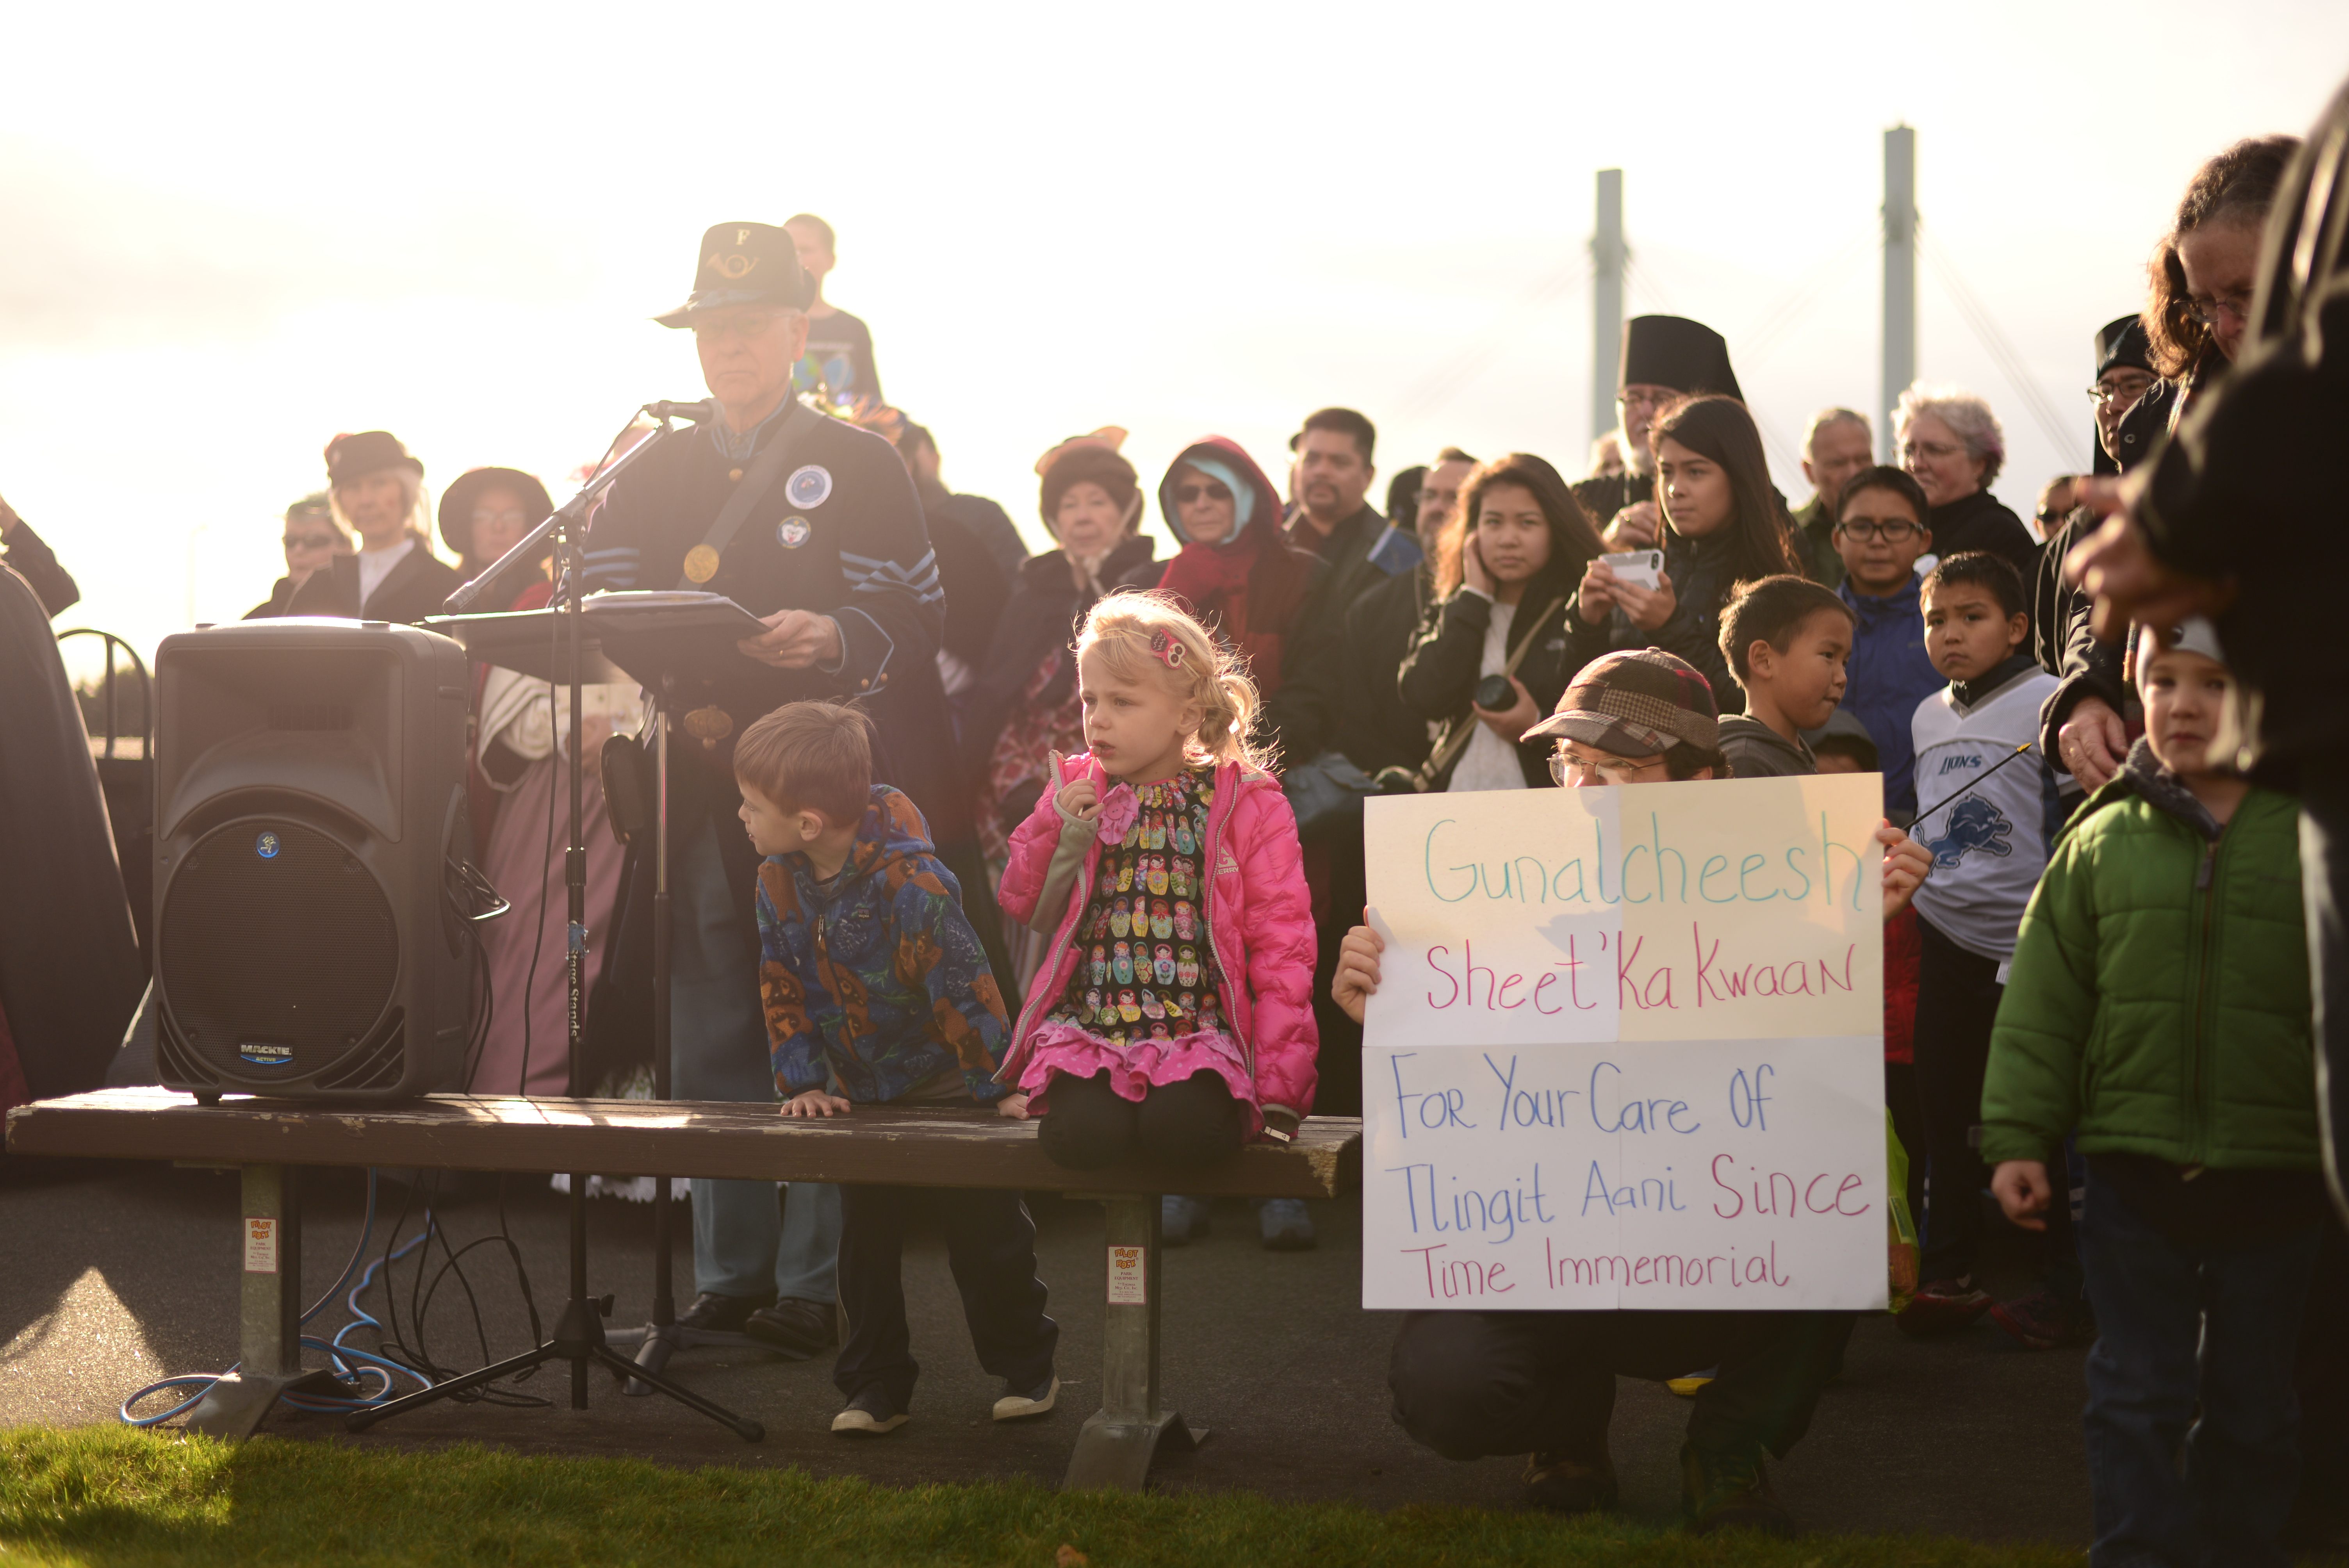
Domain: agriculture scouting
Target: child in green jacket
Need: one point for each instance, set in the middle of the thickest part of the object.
(2159, 1006)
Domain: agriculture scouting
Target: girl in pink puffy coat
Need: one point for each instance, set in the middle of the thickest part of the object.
(1173, 1010)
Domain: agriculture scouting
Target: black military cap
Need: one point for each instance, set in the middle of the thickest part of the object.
(2123, 346)
(745, 263)
(1675, 351)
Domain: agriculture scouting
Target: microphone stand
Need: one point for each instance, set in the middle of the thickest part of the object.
(579, 1333)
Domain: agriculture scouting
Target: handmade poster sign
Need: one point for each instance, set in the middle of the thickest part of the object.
(1626, 1050)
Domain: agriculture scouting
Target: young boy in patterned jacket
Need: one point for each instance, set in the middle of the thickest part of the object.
(876, 992)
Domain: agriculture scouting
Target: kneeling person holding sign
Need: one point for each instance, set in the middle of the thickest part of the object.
(1477, 1383)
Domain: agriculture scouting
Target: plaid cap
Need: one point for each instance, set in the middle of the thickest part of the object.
(1637, 704)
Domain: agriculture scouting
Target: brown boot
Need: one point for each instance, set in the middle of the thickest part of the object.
(1563, 1485)
(1730, 1491)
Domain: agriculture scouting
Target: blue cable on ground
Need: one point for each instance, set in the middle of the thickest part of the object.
(349, 1361)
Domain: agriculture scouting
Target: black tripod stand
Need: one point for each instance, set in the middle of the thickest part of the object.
(579, 1333)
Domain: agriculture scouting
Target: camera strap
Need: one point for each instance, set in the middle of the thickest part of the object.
(764, 469)
(1455, 739)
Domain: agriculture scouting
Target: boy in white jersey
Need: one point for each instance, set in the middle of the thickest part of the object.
(1988, 807)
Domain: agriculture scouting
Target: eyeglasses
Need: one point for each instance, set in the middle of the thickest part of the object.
(1609, 770)
(2208, 311)
(1893, 531)
(492, 519)
(1939, 452)
(2122, 392)
(1643, 398)
(1207, 490)
(310, 542)
(746, 327)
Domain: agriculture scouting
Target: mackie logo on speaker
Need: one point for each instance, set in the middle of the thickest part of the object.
(266, 846)
(264, 1056)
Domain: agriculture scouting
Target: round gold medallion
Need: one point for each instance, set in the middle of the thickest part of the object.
(702, 563)
(708, 725)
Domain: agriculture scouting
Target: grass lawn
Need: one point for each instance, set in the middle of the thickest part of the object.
(110, 1496)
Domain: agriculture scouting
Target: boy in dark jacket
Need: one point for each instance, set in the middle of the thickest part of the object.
(2159, 1006)
(1786, 640)
(876, 993)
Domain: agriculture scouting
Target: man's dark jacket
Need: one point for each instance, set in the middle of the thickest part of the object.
(410, 591)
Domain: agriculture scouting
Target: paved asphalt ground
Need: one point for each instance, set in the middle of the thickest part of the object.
(117, 1274)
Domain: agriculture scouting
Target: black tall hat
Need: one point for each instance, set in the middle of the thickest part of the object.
(745, 263)
(2122, 345)
(1675, 351)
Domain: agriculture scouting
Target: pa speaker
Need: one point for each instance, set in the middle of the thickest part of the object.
(310, 820)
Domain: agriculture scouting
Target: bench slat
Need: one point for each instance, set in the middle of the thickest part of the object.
(888, 1145)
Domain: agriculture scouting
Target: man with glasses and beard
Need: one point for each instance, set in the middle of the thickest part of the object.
(828, 548)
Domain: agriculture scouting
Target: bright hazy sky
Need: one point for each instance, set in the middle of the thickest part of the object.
(228, 233)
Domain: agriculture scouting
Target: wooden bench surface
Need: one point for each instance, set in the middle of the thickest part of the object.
(892, 1145)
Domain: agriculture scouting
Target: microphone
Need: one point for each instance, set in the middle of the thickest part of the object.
(696, 412)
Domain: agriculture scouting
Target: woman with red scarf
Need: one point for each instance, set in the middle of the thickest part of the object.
(1236, 572)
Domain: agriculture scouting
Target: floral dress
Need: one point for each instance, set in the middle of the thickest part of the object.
(1144, 1002)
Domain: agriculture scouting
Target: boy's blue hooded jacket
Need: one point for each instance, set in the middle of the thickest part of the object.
(875, 980)
(1888, 676)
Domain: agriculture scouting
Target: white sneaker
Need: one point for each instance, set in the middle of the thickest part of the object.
(1020, 1406)
(869, 1415)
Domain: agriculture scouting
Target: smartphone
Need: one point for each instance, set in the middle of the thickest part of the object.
(1638, 567)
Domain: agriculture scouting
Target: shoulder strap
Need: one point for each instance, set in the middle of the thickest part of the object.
(765, 468)
(1455, 739)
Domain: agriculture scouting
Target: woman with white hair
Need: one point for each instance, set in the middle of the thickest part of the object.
(1951, 444)
(377, 491)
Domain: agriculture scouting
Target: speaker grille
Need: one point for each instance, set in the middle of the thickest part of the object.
(277, 952)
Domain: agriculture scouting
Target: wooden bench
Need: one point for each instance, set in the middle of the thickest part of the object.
(882, 1145)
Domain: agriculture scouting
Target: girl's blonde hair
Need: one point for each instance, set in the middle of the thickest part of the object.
(1150, 636)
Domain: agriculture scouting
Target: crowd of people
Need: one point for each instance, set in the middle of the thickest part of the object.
(1076, 834)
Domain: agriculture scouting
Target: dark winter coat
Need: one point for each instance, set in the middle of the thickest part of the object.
(410, 591)
(1376, 728)
(1757, 751)
(1041, 615)
(861, 555)
(28, 555)
(2060, 638)
(1815, 532)
(1978, 521)
(1702, 572)
(1439, 678)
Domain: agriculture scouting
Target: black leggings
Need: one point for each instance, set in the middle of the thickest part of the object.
(1191, 1123)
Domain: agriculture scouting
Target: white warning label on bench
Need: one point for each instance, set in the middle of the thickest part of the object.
(259, 1245)
(1127, 1282)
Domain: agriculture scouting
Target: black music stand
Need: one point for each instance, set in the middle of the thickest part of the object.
(556, 644)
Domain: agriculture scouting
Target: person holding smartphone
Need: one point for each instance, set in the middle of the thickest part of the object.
(1724, 525)
(1494, 653)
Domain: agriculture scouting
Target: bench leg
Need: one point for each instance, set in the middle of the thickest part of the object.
(1116, 1448)
(269, 1329)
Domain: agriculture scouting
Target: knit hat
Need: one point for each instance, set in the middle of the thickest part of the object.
(2123, 346)
(1638, 704)
(2192, 636)
(1075, 462)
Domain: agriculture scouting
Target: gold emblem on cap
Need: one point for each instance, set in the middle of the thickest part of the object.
(702, 563)
(737, 267)
(708, 725)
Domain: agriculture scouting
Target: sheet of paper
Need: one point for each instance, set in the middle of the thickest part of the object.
(1628, 1049)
